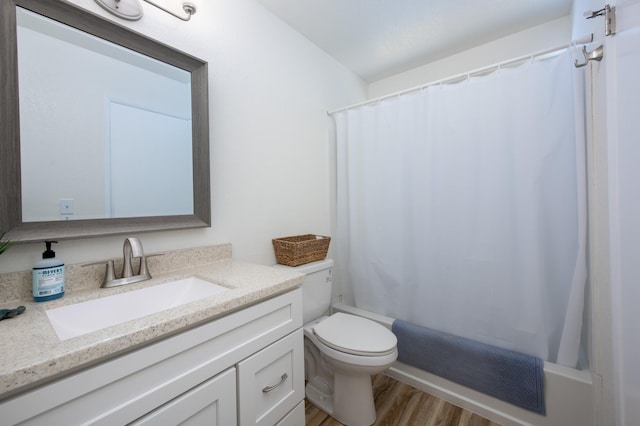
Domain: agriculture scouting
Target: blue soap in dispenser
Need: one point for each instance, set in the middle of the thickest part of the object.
(48, 276)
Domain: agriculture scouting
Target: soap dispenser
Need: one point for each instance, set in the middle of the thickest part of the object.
(48, 276)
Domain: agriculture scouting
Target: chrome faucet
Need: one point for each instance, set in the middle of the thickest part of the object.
(132, 248)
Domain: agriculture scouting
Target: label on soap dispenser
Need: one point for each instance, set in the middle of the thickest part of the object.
(48, 283)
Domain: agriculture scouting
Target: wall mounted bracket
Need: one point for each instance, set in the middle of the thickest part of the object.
(189, 9)
(609, 14)
(595, 55)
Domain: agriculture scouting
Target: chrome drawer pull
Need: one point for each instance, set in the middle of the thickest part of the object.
(270, 388)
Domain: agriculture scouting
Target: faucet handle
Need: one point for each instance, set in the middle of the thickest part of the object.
(109, 275)
(144, 269)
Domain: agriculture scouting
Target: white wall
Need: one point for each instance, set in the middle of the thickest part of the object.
(269, 91)
(540, 37)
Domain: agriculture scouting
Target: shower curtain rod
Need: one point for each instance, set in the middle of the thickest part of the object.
(585, 40)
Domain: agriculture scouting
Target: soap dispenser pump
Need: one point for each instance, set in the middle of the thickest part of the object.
(48, 276)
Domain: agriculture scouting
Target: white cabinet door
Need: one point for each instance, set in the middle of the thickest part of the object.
(271, 382)
(213, 403)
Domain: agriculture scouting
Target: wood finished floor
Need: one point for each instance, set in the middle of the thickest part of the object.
(399, 404)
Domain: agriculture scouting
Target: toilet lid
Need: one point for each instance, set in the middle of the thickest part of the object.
(355, 335)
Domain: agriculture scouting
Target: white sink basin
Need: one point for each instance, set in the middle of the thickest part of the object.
(85, 317)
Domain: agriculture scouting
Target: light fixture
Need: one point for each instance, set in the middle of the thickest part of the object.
(125, 9)
(132, 10)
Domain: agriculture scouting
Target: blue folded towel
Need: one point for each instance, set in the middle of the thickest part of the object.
(510, 376)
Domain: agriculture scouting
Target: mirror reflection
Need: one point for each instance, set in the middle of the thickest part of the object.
(105, 132)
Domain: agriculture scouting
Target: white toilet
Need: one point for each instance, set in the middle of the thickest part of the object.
(341, 351)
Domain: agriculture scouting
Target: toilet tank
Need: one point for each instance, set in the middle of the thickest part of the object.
(316, 288)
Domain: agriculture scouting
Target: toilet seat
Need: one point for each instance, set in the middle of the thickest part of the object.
(355, 335)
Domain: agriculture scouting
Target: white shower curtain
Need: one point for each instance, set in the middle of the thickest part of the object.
(462, 207)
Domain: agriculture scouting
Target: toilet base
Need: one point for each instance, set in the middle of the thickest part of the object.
(351, 403)
(353, 400)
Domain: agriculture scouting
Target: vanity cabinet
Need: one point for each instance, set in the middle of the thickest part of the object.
(244, 368)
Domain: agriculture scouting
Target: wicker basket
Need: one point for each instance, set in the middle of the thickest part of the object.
(300, 249)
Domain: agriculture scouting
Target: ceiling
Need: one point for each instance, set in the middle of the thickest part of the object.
(379, 38)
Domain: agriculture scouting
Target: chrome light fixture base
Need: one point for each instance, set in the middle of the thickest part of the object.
(130, 10)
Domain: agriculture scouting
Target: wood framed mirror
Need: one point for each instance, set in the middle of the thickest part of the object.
(29, 143)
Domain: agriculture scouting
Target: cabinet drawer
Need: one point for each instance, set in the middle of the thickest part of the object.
(271, 382)
(213, 403)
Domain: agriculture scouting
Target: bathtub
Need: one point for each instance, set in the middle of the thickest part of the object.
(568, 392)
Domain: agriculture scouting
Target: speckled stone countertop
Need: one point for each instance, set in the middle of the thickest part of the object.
(33, 354)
